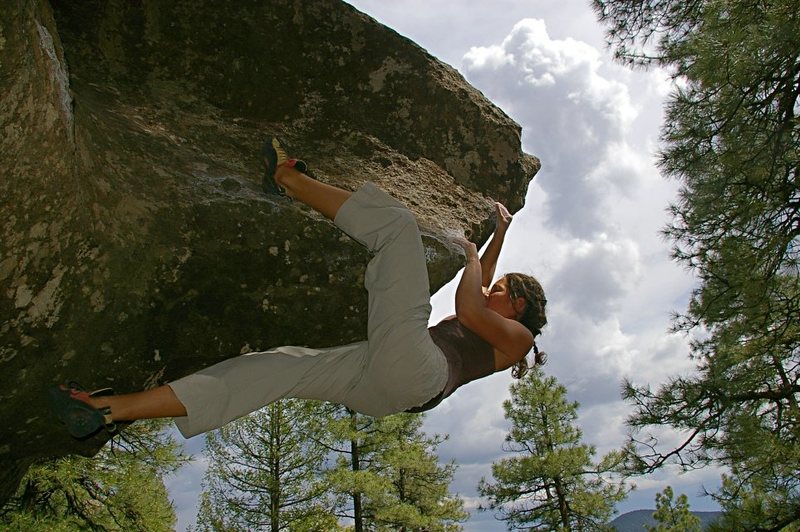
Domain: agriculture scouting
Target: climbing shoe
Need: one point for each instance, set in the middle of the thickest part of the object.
(274, 155)
(70, 404)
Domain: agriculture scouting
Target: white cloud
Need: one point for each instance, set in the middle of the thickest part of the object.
(589, 357)
(573, 118)
(595, 276)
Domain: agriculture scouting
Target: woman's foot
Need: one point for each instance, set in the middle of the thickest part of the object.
(275, 156)
(290, 177)
(74, 407)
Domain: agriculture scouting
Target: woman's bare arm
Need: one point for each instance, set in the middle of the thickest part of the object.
(492, 252)
(508, 336)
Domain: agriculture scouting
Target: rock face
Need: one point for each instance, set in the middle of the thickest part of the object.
(136, 244)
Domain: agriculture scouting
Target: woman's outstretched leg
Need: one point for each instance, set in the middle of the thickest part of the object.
(70, 405)
(162, 401)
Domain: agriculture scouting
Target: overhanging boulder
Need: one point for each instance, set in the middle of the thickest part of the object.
(136, 244)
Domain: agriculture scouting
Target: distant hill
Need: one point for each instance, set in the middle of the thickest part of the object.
(634, 521)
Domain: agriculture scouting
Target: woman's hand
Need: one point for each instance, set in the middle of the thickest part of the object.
(502, 216)
(470, 249)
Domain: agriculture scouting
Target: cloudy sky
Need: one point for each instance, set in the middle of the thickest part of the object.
(589, 230)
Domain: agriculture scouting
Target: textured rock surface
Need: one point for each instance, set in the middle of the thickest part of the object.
(136, 246)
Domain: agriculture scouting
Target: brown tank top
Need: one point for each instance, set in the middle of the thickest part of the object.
(469, 357)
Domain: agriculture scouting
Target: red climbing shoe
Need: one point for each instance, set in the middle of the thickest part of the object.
(70, 404)
(274, 155)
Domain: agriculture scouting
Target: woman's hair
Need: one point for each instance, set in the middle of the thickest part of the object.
(533, 316)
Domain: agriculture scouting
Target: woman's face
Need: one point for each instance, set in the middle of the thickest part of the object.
(498, 299)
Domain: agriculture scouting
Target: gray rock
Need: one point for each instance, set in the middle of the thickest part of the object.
(136, 244)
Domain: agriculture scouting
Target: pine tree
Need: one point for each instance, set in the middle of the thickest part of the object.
(388, 474)
(732, 139)
(754, 505)
(119, 489)
(265, 473)
(672, 515)
(551, 482)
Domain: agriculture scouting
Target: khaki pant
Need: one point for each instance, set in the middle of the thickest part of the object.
(396, 368)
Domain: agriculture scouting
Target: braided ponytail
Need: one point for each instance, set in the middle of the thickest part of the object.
(533, 316)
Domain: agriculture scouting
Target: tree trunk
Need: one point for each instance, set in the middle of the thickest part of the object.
(563, 509)
(355, 462)
(275, 492)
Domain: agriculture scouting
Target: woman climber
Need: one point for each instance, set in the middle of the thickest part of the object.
(402, 366)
